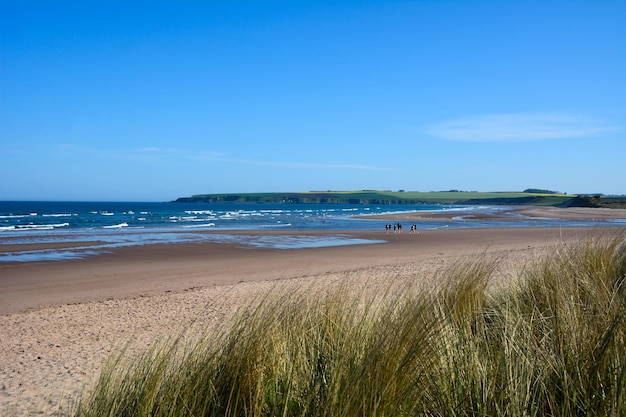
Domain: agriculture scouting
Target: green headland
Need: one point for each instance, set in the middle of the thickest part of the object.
(526, 197)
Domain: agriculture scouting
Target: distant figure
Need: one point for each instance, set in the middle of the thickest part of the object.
(395, 227)
(399, 227)
(387, 227)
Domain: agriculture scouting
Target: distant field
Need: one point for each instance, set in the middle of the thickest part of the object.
(388, 197)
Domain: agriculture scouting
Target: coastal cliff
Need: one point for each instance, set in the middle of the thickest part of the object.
(539, 198)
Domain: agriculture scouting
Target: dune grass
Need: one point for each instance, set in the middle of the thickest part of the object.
(550, 343)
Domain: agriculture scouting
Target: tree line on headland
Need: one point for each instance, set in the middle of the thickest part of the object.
(526, 197)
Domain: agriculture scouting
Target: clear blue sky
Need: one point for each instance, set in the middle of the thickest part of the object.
(154, 100)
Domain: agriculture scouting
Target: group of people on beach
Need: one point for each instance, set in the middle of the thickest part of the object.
(397, 228)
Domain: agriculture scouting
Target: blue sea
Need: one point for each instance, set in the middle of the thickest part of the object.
(117, 224)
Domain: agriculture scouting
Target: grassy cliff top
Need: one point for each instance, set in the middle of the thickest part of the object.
(528, 197)
(388, 197)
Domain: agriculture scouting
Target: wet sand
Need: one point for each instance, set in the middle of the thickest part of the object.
(516, 213)
(62, 320)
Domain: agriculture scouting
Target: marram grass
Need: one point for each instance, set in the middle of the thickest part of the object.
(552, 343)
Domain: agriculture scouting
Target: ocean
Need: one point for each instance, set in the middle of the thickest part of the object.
(117, 224)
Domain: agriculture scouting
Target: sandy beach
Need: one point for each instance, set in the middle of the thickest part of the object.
(62, 320)
(517, 213)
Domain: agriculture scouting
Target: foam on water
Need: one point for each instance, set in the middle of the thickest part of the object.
(33, 226)
(197, 226)
(116, 226)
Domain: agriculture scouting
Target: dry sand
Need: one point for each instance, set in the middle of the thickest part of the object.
(60, 321)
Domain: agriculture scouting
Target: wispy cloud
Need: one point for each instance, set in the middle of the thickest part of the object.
(214, 156)
(288, 164)
(519, 127)
(172, 154)
(306, 165)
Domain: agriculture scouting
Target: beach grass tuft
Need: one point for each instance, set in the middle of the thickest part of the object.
(551, 342)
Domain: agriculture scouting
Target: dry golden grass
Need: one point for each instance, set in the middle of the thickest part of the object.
(551, 343)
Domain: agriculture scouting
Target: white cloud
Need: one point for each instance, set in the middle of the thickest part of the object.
(518, 127)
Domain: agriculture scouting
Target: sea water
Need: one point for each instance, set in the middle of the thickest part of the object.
(117, 224)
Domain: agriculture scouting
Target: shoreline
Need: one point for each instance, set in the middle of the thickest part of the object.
(512, 213)
(525, 216)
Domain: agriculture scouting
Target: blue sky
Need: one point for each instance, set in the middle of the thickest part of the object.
(154, 100)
